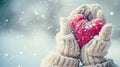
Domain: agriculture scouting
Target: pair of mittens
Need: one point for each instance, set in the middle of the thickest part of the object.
(92, 53)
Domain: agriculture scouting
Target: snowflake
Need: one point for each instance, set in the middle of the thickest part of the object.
(91, 36)
(36, 13)
(19, 66)
(20, 18)
(57, 29)
(111, 13)
(19, 36)
(43, 16)
(6, 20)
(6, 54)
(22, 12)
(49, 27)
(21, 52)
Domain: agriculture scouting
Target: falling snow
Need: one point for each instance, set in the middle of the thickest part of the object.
(6, 54)
(22, 12)
(35, 11)
(20, 18)
(19, 65)
(57, 29)
(49, 27)
(27, 28)
(21, 52)
(6, 20)
(111, 13)
(43, 16)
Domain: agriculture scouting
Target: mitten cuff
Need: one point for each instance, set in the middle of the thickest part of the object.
(107, 63)
(56, 60)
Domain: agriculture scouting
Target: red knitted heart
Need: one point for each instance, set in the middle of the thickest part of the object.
(85, 30)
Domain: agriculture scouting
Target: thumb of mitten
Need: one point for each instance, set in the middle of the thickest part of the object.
(106, 32)
(65, 26)
(94, 51)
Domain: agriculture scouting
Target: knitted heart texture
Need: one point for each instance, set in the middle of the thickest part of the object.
(85, 29)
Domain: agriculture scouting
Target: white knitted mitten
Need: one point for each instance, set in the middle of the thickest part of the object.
(92, 54)
(66, 42)
(67, 48)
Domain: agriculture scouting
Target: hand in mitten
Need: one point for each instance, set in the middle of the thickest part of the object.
(92, 34)
(94, 51)
(68, 48)
(66, 42)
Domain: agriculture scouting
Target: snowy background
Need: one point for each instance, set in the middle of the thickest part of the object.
(28, 28)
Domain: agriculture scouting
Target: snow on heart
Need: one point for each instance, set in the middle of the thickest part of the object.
(85, 30)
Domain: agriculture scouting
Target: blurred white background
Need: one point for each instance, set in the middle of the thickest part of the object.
(28, 28)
